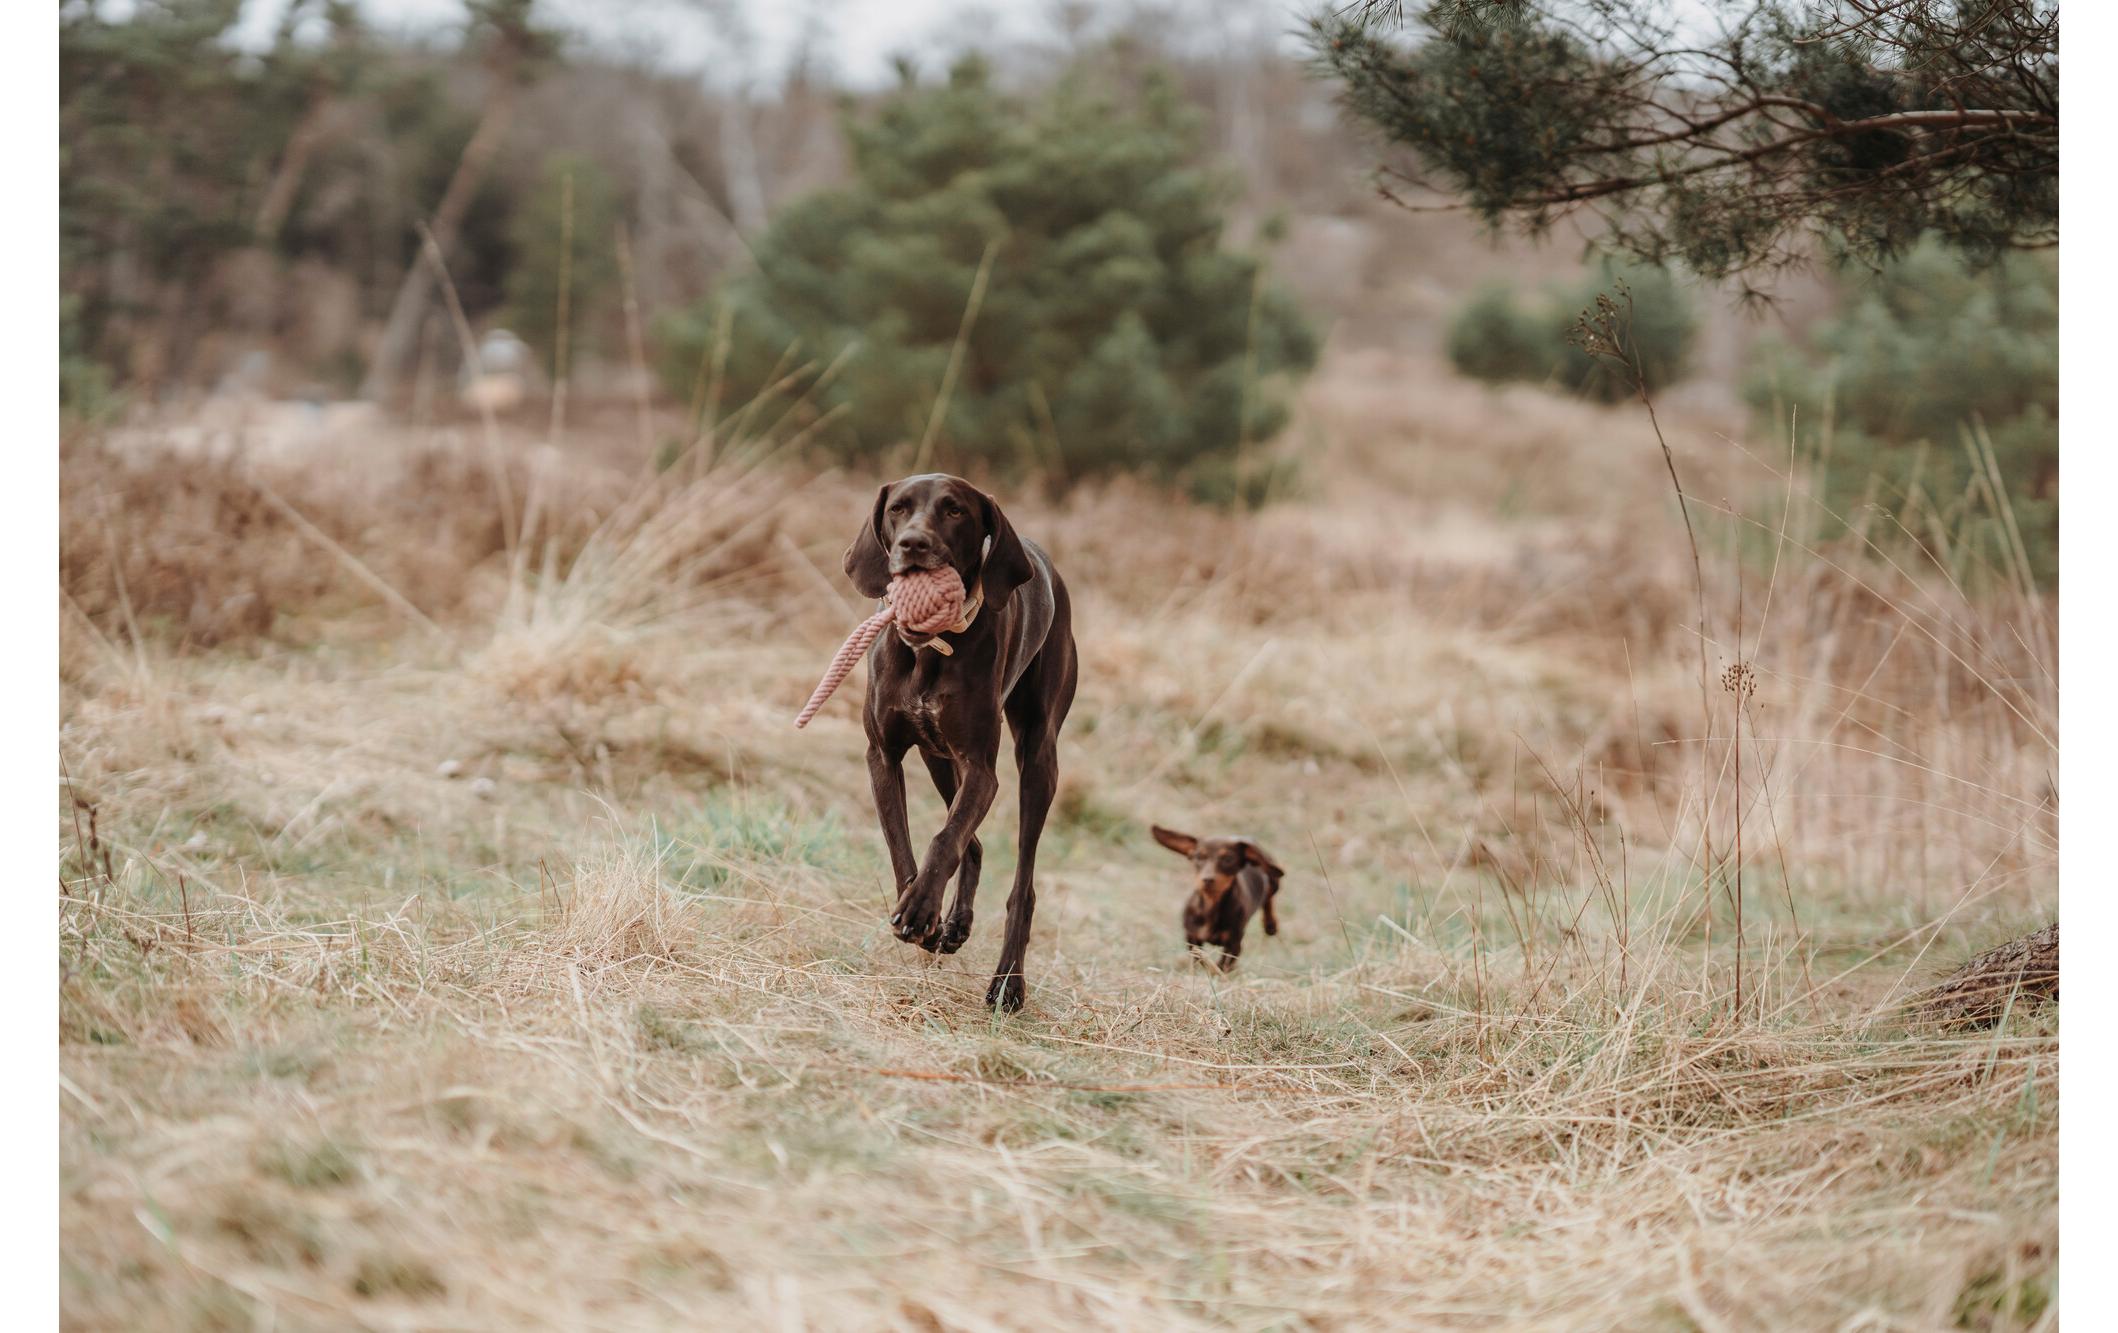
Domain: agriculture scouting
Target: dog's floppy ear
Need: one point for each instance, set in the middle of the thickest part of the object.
(1183, 844)
(1007, 564)
(1260, 858)
(867, 564)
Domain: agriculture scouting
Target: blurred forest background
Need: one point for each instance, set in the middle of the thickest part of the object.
(1178, 212)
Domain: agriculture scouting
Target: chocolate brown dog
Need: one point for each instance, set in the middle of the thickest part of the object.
(1236, 879)
(1015, 656)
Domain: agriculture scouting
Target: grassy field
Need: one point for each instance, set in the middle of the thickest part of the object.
(453, 931)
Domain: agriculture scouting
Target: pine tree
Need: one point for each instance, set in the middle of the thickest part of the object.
(1855, 123)
(1114, 331)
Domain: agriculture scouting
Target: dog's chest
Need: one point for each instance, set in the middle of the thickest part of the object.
(1219, 916)
(923, 714)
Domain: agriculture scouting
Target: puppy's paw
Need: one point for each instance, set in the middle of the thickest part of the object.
(1006, 993)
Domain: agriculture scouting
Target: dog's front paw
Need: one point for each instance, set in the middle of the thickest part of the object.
(917, 919)
(1006, 993)
(955, 931)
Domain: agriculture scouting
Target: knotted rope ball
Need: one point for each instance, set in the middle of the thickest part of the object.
(923, 601)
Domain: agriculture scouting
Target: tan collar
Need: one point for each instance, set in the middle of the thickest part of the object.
(971, 606)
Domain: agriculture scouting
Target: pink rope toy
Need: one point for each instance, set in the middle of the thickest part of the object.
(925, 601)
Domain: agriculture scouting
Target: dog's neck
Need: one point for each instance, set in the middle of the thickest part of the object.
(971, 606)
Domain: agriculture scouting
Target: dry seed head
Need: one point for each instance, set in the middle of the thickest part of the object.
(1740, 680)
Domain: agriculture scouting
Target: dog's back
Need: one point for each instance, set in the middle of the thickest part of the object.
(1038, 604)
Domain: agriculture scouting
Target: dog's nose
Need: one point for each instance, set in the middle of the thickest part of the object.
(913, 550)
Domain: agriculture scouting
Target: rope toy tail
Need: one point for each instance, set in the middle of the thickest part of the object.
(924, 601)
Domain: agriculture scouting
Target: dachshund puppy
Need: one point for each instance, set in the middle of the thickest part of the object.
(1234, 879)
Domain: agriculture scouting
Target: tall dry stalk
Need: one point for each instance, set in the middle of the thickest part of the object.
(1604, 332)
(956, 351)
(562, 316)
(635, 342)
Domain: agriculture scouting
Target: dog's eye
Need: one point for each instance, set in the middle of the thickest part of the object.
(954, 511)
(900, 507)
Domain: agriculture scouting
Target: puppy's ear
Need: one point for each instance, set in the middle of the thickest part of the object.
(1260, 858)
(867, 564)
(1183, 844)
(1007, 564)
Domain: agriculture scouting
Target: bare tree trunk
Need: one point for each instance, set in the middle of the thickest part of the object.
(672, 193)
(413, 293)
(308, 136)
(746, 187)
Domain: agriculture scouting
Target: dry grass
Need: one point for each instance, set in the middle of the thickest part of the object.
(529, 972)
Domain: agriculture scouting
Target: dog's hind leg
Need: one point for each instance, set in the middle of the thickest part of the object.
(1035, 713)
(1039, 757)
(956, 926)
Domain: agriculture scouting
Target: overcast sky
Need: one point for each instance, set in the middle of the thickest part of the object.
(754, 41)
